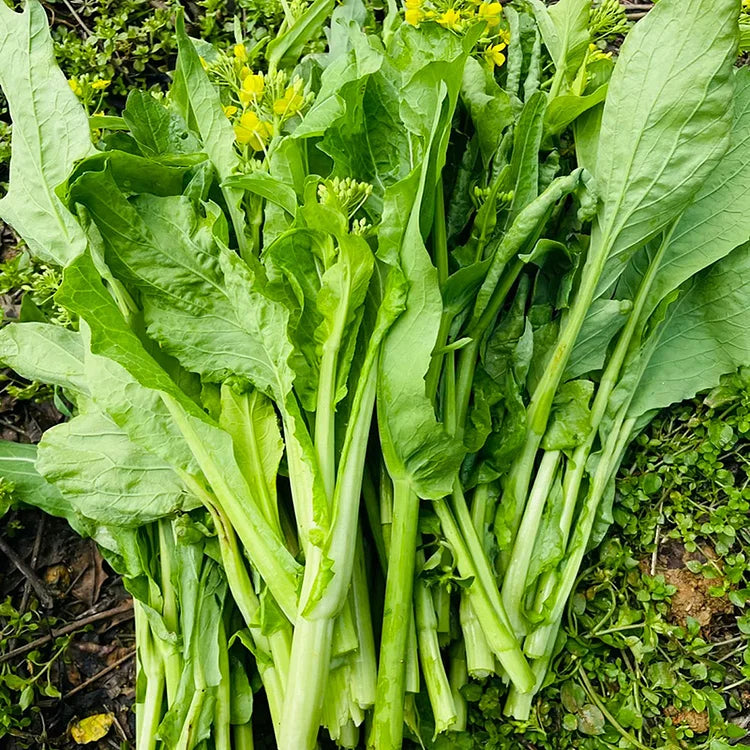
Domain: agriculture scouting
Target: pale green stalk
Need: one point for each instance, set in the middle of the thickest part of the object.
(388, 719)
(514, 582)
(433, 669)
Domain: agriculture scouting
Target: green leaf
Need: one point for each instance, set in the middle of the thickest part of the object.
(251, 421)
(564, 28)
(571, 416)
(200, 304)
(717, 221)
(524, 164)
(105, 476)
(200, 105)
(563, 110)
(285, 49)
(703, 337)
(668, 97)
(157, 131)
(488, 105)
(50, 133)
(591, 720)
(415, 446)
(44, 352)
(605, 319)
(268, 187)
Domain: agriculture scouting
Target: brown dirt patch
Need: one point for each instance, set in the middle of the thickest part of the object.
(693, 597)
(698, 721)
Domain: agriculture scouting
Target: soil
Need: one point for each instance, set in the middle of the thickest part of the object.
(698, 721)
(693, 597)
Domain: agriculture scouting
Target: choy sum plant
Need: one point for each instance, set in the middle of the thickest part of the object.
(358, 342)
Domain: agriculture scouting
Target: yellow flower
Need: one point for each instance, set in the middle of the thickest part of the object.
(290, 103)
(596, 54)
(100, 85)
(451, 19)
(75, 87)
(415, 4)
(252, 131)
(252, 87)
(413, 16)
(230, 110)
(504, 36)
(240, 52)
(490, 12)
(495, 55)
(245, 72)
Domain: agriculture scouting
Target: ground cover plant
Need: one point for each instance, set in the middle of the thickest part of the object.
(353, 345)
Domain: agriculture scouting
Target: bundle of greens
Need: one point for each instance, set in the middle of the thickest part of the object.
(405, 275)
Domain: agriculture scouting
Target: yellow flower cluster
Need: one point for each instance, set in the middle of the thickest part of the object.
(595, 53)
(459, 15)
(260, 103)
(456, 16)
(87, 90)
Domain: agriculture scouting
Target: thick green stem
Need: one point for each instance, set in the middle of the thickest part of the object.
(306, 685)
(514, 583)
(433, 669)
(222, 713)
(150, 666)
(459, 677)
(388, 719)
(478, 657)
(495, 628)
(173, 663)
(242, 737)
(364, 664)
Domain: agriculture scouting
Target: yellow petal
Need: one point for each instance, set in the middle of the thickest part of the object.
(91, 729)
(230, 110)
(240, 52)
(413, 16)
(450, 19)
(99, 85)
(253, 84)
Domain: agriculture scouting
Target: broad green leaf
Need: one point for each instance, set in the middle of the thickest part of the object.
(570, 420)
(50, 133)
(105, 476)
(666, 122)
(135, 174)
(18, 465)
(524, 164)
(44, 352)
(564, 28)
(268, 187)
(704, 336)
(167, 250)
(415, 446)
(717, 221)
(201, 105)
(563, 110)
(156, 130)
(286, 48)
(252, 422)
(606, 317)
(214, 128)
(488, 105)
